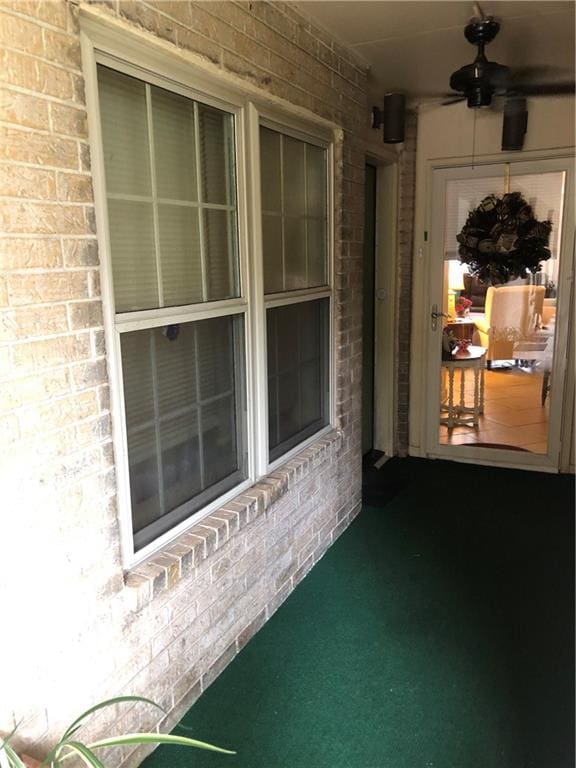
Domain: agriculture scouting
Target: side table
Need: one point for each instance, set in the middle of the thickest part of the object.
(459, 414)
(461, 329)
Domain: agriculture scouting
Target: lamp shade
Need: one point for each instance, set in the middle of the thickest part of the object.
(394, 109)
(456, 272)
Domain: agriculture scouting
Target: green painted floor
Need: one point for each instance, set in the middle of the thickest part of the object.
(436, 633)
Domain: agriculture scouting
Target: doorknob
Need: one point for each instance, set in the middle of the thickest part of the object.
(435, 315)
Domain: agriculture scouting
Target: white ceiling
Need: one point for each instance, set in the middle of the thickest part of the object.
(413, 46)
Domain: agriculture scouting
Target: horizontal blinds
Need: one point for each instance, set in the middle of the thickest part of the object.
(462, 196)
(294, 212)
(545, 193)
(171, 185)
(183, 393)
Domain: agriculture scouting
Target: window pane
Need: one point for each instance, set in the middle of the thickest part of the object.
(133, 255)
(316, 250)
(315, 181)
(215, 358)
(175, 368)
(294, 189)
(174, 145)
(272, 250)
(216, 158)
(219, 439)
(124, 133)
(298, 373)
(270, 170)
(169, 248)
(294, 180)
(221, 254)
(180, 447)
(180, 257)
(184, 404)
(137, 378)
(296, 273)
(144, 480)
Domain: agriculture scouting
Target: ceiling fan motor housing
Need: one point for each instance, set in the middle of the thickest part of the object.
(478, 81)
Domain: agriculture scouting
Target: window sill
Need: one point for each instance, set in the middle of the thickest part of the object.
(163, 570)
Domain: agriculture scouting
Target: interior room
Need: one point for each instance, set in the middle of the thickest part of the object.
(287, 383)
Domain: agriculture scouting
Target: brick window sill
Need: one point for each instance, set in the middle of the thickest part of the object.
(166, 568)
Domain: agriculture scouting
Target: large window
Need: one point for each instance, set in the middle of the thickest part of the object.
(179, 266)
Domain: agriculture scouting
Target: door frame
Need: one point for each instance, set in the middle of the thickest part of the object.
(427, 368)
(385, 298)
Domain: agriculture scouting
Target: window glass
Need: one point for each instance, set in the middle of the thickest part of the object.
(173, 236)
(134, 267)
(125, 136)
(180, 246)
(183, 392)
(174, 145)
(294, 211)
(298, 364)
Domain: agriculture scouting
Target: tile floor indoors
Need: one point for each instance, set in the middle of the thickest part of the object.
(513, 413)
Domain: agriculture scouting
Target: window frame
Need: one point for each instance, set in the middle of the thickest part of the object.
(295, 128)
(106, 42)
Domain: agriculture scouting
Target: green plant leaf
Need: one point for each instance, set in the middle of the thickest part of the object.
(157, 738)
(107, 703)
(73, 727)
(13, 759)
(88, 757)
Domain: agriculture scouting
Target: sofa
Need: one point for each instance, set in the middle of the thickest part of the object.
(475, 291)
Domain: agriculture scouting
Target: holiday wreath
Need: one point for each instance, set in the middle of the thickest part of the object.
(502, 239)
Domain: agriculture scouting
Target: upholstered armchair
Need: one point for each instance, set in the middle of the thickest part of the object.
(512, 314)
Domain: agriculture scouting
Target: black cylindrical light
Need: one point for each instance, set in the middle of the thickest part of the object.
(394, 108)
(514, 125)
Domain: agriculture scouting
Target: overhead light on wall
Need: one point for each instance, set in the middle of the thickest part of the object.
(515, 124)
(391, 117)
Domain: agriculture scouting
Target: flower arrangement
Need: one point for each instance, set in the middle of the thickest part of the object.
(462, 306)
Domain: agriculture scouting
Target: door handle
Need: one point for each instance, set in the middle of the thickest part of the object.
(434, 314)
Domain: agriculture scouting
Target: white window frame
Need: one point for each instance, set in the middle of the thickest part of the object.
(295, 129)
(107, 42)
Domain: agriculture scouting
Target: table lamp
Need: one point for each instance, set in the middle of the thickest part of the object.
(455, 283)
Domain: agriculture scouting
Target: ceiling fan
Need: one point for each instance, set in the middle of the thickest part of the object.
(477, 83)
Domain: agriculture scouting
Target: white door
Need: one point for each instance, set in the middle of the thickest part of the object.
(501, 400)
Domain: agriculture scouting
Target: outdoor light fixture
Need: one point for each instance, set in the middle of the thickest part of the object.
(391, 117)
(515, 124)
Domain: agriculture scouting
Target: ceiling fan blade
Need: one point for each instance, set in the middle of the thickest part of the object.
(454, 100)
(543, 89)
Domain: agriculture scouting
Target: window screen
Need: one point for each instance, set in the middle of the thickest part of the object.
(183, 393)
(298, 364)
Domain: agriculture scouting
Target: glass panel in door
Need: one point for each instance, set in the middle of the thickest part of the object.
(498, 340)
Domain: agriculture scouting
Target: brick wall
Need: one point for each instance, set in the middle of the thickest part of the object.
(406, 203)
(85, 630)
